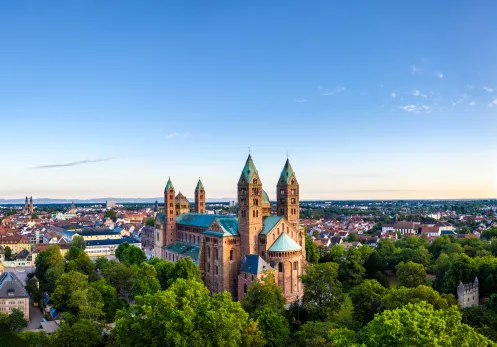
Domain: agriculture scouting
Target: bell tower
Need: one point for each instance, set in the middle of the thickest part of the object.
(249, 208)
(199, 197)
(169, 213)
(288, 196)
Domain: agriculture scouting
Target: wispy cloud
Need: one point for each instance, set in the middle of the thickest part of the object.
(472, 103)
(463, 98)
(416, 92)
(176, 135)
(488, 89)
(88, 161)
(470, 86)
(439, 75)
(414, 70)
(415, 108)
(300, 100)
(330, 91)
(493, 103)
(393, 95)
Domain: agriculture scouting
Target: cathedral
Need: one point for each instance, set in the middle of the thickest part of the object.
(28, 207)
(234, 252)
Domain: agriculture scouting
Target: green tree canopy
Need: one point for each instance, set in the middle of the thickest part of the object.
(183, 315)
(79, 241)
(398, 297)
(411, 274)
(12, 322)
(130, 254)
(264, 294)
(7, 253)
(49, 267)
(350, 271)
(82, 333)
(421, 325)
(150, 222)
(164, 271)
(274, 327)
(311, 251)
(322, 290)
(120, 277)
(111, 214)
(366, 298)
(146, 281)
(185, 268)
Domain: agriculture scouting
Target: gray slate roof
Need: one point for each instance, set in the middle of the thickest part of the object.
(9, 283)
(254, 264)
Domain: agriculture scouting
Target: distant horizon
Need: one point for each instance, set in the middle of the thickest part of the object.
(209, 200)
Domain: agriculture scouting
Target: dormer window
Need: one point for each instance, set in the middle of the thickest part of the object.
(254, 181)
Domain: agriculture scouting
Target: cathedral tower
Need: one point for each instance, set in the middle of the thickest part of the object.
(199, 197)
(31, 206)
(288, 195)
(169, 214)
(249, 208)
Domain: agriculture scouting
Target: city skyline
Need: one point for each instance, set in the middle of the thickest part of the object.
(112, 99)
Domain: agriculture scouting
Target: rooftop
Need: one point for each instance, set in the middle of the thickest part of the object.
(284, 243)
(11, 286)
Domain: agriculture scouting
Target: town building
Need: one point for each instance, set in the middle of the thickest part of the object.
(105, 248)
(16, 242)
(110, 204)
(13, 295)
(223, 245)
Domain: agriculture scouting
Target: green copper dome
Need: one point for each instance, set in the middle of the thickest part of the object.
(249, 169)
(265, 197)
(287, 171)
(200, 186)
(169, 185)
(284, 243)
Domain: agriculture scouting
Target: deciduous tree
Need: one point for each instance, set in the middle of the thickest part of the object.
(264, 294)
(322, 290)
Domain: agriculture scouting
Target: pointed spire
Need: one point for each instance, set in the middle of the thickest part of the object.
(249, 168)
(169, 185)
(200, 186)
(287, 171)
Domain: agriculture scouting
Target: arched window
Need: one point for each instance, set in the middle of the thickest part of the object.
(215, 254)
(280, 267)
(252, 277)
(257, 213)
(245, 287)
(231, 254)
(208, 252)
(295, 265)
(273, 237)
(254, 181)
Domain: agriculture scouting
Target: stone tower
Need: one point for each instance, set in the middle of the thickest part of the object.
(249, 208)
(169, 213)
(468, 294)
(287, 189)
(26, 204)
(199, 197)
(31, 206)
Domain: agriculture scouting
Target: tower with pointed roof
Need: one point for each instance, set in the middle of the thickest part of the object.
(169, 214)
(199, 197)
(31, 206)
(249, 208)
(288, 204)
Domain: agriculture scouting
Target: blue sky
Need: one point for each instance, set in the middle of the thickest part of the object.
(372, 100)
